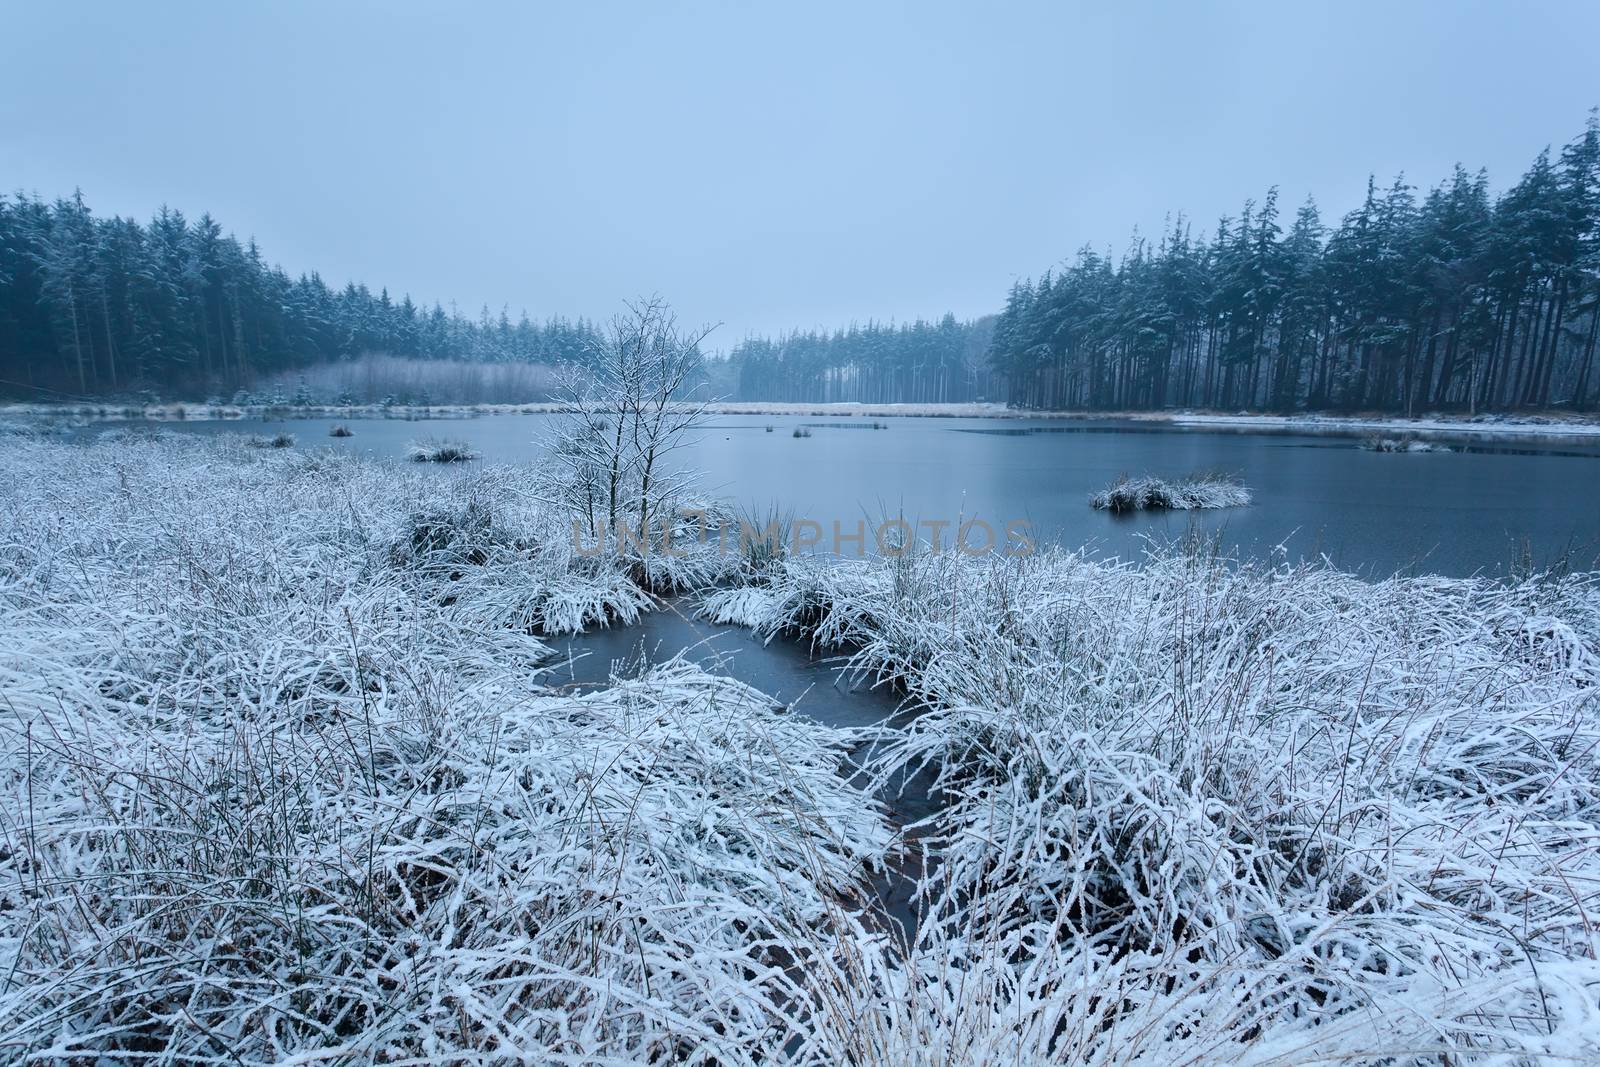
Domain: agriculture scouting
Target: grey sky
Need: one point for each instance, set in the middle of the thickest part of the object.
(764, 166)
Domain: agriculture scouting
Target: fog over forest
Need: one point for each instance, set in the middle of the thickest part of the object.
(1456, 297)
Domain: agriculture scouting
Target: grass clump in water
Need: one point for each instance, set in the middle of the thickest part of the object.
(341, 430)
(1156, 494)
(438, 450)
(281, 440)
(1401, 444)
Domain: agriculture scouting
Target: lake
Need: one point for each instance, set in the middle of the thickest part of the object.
(1482, 508)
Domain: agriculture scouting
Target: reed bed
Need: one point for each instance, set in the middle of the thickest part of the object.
(1408, 443)
(437, 450)
(281, 781)
(1199, 812)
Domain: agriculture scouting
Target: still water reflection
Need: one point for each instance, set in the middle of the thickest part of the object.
(1481, 508)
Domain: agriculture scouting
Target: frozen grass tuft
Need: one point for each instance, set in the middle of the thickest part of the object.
(436, 450)
(1401, 444)
(279, 781)
(340, 430)
(1154, 494)
(281, 440)
(1198, 812)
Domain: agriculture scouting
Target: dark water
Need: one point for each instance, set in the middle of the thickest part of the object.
(784, 670)
(1483, 508)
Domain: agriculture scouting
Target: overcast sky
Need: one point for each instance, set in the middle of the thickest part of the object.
(761, 165)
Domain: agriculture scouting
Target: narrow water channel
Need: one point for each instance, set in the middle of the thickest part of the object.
(785, 669)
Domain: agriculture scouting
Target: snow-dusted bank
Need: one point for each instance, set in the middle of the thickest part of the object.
(1529, 425)
(280, 781)
(1563, 425)
(1210, 814)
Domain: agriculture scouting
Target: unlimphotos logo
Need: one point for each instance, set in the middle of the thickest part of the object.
(683, 531)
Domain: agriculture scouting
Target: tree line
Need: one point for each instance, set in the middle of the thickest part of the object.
(1460, 301)
(1454, 300)
(919, 363)
(105, 305)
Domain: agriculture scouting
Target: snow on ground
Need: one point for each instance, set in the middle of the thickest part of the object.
(176, 411)
(1473, 426)
(1526, 425)
(848, 408)
(1210, 813)
(280, 781)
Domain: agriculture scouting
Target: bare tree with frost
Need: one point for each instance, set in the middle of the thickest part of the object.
(628, 413)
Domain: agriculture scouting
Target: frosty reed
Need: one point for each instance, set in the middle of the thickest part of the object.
(290, 769)
(778, 537)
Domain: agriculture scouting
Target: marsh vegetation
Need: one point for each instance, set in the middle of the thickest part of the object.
(282, 777)
(1406, 443)
(440, 450)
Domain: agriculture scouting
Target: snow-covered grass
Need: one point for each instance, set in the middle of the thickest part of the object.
(438, 450)
(1197, 812)
(1154, 494)
(279, 782)
(147, 432)
(1527, 424)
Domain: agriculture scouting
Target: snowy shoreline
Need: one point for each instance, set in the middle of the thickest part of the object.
(1525, 425)
(1481, 425)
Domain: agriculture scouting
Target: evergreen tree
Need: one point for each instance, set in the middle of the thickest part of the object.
(94, 306)
(1455, 302)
